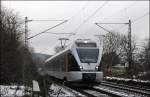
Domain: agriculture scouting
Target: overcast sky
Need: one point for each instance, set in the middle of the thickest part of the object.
(81, 16)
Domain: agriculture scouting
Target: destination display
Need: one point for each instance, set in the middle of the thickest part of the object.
(86, 44)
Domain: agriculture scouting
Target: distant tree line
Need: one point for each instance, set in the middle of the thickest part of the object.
(14, 54)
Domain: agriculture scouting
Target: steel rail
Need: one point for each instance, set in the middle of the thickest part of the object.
(127, 88)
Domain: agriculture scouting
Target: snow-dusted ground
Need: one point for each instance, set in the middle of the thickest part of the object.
(12, 91)
(127, 79)
(61, 91)
(54, 91)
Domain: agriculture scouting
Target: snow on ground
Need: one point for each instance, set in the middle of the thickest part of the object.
(11, 90)
(60, 91)
(127, 79)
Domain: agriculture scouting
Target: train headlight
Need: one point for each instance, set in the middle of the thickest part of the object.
(81, 67)
(96, 67)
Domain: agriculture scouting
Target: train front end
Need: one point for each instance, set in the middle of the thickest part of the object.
(87, 55)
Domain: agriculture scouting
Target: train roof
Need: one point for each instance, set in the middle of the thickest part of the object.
(57, 54)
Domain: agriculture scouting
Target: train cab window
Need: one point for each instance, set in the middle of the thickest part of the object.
(88, 55)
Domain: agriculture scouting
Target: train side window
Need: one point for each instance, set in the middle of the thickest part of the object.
(65, 63)
(73, 65)
(62, 59)
(69, 61)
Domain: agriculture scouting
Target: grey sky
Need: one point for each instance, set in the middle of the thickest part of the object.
(81, 16)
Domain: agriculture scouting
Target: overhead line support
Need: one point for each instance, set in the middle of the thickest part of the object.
(130, 46)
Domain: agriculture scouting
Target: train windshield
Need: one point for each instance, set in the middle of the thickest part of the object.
(88, 55)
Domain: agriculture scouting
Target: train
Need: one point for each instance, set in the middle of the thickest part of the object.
(79, 62)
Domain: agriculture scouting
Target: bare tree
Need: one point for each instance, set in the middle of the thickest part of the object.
(116, 48)
(112, 48)
(144, 56)
(112, 42)
(13, 50)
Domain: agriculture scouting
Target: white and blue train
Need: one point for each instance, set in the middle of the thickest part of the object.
(78, 62)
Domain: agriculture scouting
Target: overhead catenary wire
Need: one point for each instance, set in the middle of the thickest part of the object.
(72, 17)
(131, 5)
(103, 28)
(84, 20)
(108, 23)
(61, 33)
(45, 20)
(47, 29)
(124, 9)
(97, 10)
(134, 20)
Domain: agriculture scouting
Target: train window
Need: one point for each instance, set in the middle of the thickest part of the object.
(62, 62)
(86, 44)
(88, 55)
(73, 65)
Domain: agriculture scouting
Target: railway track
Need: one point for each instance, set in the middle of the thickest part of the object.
(93, 93)
(83, 91)
(129, 86)
(132, 89)
(107, 89)
(98, 92)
